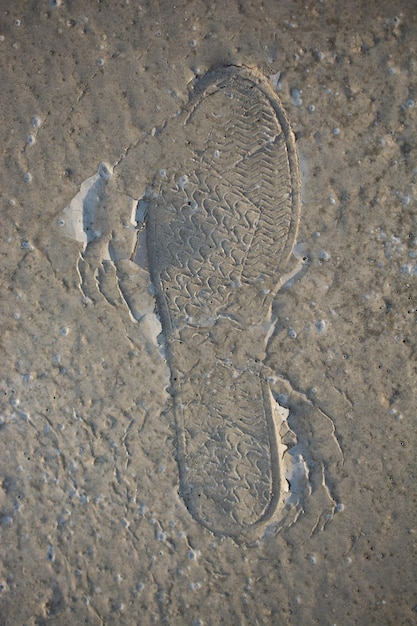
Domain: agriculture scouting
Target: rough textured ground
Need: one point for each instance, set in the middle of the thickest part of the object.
(93, 528)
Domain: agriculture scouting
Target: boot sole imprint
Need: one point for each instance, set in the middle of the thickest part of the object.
(219, 234)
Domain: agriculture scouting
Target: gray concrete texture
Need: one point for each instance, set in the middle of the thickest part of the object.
(208, 266)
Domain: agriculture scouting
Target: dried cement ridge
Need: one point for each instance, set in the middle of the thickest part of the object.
(220, 234)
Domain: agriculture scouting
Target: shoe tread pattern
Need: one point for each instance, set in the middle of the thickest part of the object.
(220, 233)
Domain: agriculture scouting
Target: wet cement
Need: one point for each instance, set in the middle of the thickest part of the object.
(94, 527)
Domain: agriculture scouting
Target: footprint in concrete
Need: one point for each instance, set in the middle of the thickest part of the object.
(220, 234)
(217, 230)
